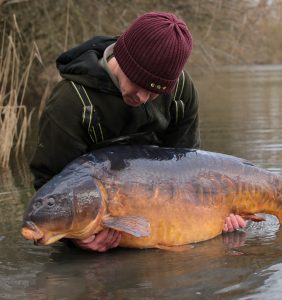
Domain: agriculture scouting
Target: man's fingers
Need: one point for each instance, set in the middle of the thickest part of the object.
(113, 239)
(115, 236)
(101, 242)
(88, 240)
(116, 239)
(225, 228)
(242, 223)
(102, 236)
(234, 221)
(111, 236)
(229, 225)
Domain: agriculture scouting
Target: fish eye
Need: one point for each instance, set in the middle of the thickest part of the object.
(51, 202)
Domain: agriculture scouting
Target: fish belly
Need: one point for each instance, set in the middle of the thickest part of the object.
(173, 220)
(178, 229)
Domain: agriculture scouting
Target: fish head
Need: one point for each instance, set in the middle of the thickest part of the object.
(48, 218)
(63, 207)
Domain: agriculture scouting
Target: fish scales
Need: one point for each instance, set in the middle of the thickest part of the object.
(154, 196)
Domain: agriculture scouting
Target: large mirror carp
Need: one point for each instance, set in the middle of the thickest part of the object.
(157, 197)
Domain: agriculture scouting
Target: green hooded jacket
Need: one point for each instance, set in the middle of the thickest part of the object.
(86, 111)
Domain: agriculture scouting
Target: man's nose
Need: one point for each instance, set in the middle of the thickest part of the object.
(143, 96)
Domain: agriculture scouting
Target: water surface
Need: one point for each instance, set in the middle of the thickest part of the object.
(240, 115)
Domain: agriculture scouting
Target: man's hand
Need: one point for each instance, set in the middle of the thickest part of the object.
(101, 242)
(233, 222)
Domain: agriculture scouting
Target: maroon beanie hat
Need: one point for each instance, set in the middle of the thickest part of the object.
(153, 51)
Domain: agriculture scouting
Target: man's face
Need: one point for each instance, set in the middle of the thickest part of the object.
(132, 94)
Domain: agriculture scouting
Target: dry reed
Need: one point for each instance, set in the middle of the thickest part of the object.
(14, 116)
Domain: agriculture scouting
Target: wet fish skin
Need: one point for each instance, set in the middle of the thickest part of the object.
(154, 196)
(67, 199)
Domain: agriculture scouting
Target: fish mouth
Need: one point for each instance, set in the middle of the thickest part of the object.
(39, 242)
(31, 232)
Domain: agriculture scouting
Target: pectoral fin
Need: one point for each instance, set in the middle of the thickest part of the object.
(134, 225)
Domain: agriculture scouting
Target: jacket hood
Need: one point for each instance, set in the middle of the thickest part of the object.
(81, 65)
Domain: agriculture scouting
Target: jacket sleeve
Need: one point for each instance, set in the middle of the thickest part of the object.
(185, 132)
(61, 136)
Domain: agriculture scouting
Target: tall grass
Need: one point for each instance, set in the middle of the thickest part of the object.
(14, 75)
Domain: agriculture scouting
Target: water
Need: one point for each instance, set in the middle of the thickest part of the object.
(240, 115)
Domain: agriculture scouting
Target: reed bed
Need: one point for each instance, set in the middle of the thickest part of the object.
(14, 116)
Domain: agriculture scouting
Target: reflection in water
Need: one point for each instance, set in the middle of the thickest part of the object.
(127, 274)
(240, 115)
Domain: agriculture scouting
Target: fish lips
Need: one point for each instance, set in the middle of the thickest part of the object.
(31, 232)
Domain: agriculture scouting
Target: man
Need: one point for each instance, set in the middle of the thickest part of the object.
(130, 89)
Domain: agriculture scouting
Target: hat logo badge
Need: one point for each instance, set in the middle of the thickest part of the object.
(157, 86)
